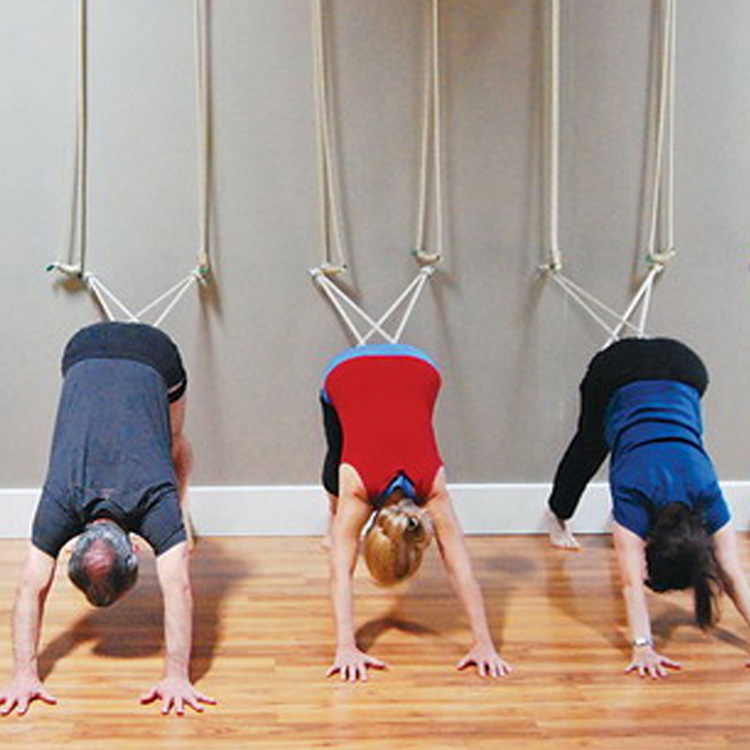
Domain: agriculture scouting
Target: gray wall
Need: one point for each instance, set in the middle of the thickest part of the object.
(511, 346)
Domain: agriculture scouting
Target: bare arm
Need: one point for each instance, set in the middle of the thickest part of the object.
(350, 517)
(727, 555)
(631, 559)
(182, 455)
(452, 545)
(352, 512)
(182, 458)
(175, 689)
(28, 612)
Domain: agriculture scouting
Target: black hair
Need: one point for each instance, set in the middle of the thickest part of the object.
(104, 545)
(680, 555)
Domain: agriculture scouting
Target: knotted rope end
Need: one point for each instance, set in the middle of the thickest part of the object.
(67, 269)
(327, 269)
(554, 266)
(660, 258)
(427, 259)
(202, 273)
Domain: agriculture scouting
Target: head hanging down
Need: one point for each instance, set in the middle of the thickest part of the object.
(395, 542)
(103, 565)
(680, 555)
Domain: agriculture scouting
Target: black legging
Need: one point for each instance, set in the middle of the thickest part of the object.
(335, 440)
(623, 362)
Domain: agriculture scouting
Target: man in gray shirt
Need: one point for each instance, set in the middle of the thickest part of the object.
(119, 463)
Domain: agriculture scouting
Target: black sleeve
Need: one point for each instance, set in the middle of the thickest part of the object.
(161, 524)
(136, 341)
(53, 526)
(335, 440)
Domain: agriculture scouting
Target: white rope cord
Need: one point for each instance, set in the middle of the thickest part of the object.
(337, 297)
(647, 296)
(176, 291)
(102, 294)
(204, 135)
(643, 295)
(669, 212)
(81, 198)
(662, 211)
(431, 133)
(661, 218)
(332, 236)
(332, 239)
(553, 138)
(418, 285)
(340, 300)
(592, 305)
(76, 266)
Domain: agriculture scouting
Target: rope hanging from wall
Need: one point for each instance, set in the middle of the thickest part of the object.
(76, 265)
(333, 243)
(660, 246)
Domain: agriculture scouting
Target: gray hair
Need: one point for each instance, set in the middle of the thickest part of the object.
(103, 564)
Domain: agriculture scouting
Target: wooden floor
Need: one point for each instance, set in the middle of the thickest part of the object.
(264, 640)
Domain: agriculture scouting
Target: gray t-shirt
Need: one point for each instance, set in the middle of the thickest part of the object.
(111, 456)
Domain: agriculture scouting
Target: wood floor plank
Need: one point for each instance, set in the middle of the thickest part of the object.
(263, 640)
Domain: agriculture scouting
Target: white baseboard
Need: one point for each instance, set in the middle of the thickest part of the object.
(301, 510)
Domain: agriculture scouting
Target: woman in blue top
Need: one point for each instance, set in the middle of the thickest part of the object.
(640, 401)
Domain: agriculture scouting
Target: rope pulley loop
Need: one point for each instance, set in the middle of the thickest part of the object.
(76, 265)
(71, 270)
(331, 212)
(427, 259)
(659, 223)
(661, 258)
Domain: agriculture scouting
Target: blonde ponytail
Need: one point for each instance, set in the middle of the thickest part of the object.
(395, 543)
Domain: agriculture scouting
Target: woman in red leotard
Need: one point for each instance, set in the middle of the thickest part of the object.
(383, 464)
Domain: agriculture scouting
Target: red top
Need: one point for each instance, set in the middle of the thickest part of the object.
(385, 406)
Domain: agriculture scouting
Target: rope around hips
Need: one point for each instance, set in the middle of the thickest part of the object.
(332, 236)
(76, 265)
(661, 215)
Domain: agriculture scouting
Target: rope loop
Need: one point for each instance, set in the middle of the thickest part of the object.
(552, 266)
(660, 258)
(330, 270)
(202, 274)
(659, 221)
(428, 270)
(332, 222)
(71, 270)
(76, 264)
(427, 259)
